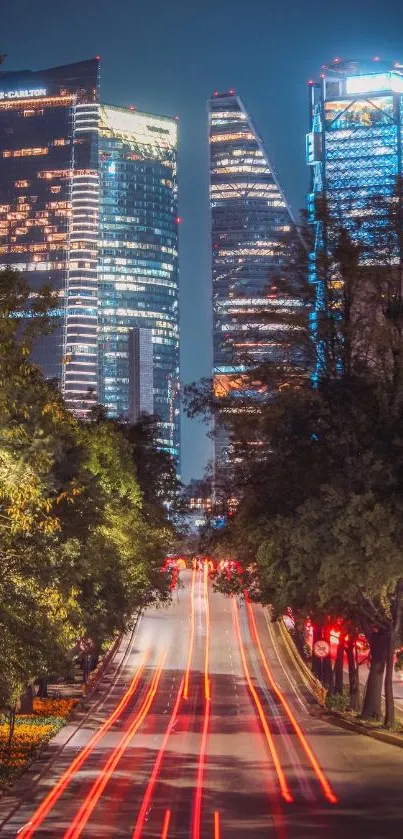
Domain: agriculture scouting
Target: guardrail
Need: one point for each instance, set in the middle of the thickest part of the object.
(312, 683)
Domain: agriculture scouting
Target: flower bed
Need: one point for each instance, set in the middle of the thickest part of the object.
(31, 732)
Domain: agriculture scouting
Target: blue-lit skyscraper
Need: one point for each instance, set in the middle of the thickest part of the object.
(138, 266)
(354, 149)
(250, 220)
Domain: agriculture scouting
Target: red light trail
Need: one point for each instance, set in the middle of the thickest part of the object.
(217, 829)
(50, 800)
(197, 804)
(156, 769)
(285, 790)
(326, 787)
(207, 645)
(93, 796)
(192, 636)
(196, 827)
(165, 826)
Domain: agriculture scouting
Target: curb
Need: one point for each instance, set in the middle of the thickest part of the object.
(336, 718)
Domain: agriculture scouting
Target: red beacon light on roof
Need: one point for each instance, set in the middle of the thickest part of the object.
(215, 93)
(311, 82)
(336, 60)
(179, 219)
(376, 58)
(132, 108)
(231, 91)
(97, 57)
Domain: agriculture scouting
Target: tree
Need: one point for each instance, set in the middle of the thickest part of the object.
(329, 444)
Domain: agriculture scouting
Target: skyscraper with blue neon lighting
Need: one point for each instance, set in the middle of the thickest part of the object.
(354, 150)
(138, 266)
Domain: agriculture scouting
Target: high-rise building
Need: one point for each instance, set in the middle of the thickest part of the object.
(138, 261)
(354, 150)
(49, 210)
(250, 220)
(88, 205)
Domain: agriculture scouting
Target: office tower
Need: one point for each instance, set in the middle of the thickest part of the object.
(249, 222)
(354, 150)
(138, 262)
(49, 210)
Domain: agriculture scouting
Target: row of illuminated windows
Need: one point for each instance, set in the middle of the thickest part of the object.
(24, 152)
(247, 199)
(138, 246)
(225, 138)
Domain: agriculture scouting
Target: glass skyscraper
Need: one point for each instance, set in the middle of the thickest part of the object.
(138, 264)
(249, 222)
(354, 150)
(49, 210)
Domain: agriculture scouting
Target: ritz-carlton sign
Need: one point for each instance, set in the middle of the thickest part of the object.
(23, 94)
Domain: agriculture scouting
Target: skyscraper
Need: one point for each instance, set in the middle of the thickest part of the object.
(49, 210)
(249, 222)
(354, 149)
(88, 205)
(138, 259)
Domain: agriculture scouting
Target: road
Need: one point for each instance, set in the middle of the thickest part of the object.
(201, 731)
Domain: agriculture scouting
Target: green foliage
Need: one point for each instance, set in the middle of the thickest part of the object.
(79, 552)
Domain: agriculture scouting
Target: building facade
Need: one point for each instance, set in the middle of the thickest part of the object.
(49, 190)
(354, 150)
(138, 262)
(249, 222)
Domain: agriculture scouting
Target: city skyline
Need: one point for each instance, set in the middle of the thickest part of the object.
(268, 58)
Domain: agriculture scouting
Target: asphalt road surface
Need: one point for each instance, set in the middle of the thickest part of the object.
(200, 730)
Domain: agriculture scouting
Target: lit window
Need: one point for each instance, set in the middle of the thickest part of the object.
(24, 152)
(21, 184)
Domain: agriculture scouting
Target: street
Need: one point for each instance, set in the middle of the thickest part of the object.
(209, 737)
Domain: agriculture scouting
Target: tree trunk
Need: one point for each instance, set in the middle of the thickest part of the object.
(43, 687)
(27, 701)
(390, 659)
(389, 699)
(339, 665)
(372, 707)
(353, 673)
(11, 726)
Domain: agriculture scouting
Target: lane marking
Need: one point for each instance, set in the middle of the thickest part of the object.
(192, 636)
(326, 787)
(165, 826)
(156, 769)
(285, 790)
(53, 796)
(88, 805)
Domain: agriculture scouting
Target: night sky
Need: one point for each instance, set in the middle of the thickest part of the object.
(168, 56)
